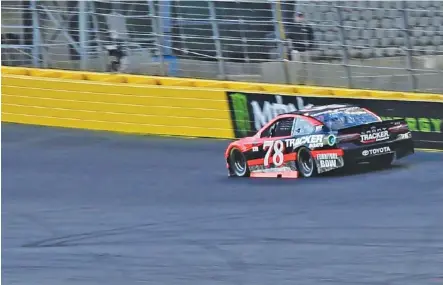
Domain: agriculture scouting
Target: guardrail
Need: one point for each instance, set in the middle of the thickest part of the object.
(191, 107)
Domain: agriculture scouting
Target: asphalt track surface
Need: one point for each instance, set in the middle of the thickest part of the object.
(83, 207)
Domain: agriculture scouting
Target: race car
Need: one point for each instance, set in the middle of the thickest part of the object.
(309, 142)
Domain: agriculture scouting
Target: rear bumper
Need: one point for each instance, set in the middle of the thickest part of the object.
(398, 149)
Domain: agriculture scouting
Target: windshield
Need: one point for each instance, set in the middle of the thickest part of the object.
(345, 118)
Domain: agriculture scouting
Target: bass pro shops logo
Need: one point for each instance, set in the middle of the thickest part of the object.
(374, 135)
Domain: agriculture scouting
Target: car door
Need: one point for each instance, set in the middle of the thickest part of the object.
(270, 146)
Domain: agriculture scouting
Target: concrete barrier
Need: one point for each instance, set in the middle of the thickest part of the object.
(104, 103)
(148, 104)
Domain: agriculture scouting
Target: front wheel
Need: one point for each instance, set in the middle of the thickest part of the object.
(237, 163)
(305, 163)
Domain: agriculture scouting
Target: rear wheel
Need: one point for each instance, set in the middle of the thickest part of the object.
(305, 163)
(237, 163)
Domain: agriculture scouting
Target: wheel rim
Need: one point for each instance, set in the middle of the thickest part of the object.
(306, 162)
(238, 163)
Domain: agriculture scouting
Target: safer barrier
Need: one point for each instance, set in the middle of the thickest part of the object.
(98, 105)
(190, 107)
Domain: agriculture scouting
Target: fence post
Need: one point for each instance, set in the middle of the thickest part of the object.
(158, 35)
(36, 54)
(345, 60)
(164, 13)
(216, 36)
(409, 62)
(281, 37)
(97, 35)
(83, 33)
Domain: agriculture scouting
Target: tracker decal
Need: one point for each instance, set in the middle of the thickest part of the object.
(310, 140)
(374, 135)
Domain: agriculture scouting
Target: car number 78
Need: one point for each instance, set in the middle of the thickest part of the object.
(278, 147)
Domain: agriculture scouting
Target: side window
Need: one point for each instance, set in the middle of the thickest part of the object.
(267, 132)
(284, 127)
(303, 127)
(280, 128)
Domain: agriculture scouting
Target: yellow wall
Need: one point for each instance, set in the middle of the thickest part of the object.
(115, 107)
(143, 104)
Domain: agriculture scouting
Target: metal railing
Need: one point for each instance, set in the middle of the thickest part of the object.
(391, 45)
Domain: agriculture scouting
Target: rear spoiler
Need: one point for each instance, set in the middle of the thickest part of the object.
(382, 124)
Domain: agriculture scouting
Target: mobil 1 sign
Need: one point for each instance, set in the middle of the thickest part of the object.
(251, 111)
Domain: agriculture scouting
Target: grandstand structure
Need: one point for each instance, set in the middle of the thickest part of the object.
(387, 45)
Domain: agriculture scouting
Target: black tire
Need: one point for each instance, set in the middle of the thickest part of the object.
(238, 166)
(305, 163)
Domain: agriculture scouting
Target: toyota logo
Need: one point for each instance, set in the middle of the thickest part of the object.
(365, 152)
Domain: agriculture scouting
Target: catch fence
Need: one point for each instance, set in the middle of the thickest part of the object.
(390, 45)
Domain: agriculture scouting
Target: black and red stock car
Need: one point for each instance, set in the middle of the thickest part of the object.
(319, 139)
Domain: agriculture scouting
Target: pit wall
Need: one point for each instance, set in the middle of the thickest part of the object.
(190, 107)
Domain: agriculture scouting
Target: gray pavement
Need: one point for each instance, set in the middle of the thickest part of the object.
(83, 207)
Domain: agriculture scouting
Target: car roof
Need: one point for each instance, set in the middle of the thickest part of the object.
(320, 109)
